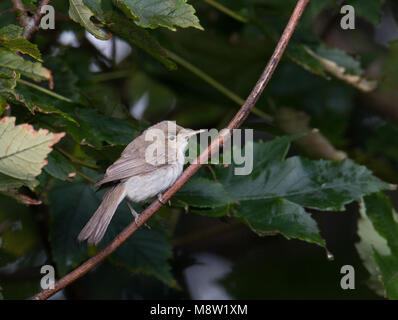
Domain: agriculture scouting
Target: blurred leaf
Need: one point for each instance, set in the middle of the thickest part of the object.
(23, 150)
(147, 251)
(33, 70)
(136, 36)
(11, 38)
(319, 5)
(81, 14)
(370, 10)
(384, 258)
(18, 230)
(168, 13)
(58, 166)
(344, 67)
(383, 141)
(1, 295)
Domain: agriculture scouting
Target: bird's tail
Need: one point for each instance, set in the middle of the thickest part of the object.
(95, 228)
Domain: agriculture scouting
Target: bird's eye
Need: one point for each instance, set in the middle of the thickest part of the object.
(172, 138)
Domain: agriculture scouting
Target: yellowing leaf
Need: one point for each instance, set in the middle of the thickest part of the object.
(340, 72)
(33, 70)
(23, 151)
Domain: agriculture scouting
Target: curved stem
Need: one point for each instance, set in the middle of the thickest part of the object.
(227, 11)
(218, 86)
(44, 90)
(236, 122)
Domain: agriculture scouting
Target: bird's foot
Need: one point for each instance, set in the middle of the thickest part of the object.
(160, 198)
(136, 215)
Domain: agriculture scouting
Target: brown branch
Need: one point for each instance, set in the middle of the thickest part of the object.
(193, 168)
(30, 24)
(22, 15)
(33, 25)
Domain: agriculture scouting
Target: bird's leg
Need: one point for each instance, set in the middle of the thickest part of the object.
(135, 214)
(161, 200)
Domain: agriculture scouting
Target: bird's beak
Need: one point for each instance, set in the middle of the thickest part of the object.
(191, 133)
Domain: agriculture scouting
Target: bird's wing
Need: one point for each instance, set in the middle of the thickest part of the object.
(132, 162)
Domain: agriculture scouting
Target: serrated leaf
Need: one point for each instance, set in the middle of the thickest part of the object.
(81, 14)
(8, 80)
(23, 150)
(163, 13)
(35, 101)
(384, 259)
(33, 70)
(343, 66)
(321, 185)
(11, 38)
(271, 198)
(96, 128)
(72, 205)
(280, 216)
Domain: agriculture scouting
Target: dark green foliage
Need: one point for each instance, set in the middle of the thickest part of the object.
(194, 62)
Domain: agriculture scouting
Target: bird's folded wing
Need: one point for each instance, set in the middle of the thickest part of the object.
(126, 168)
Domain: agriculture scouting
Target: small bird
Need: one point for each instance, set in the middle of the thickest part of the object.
(139, 175)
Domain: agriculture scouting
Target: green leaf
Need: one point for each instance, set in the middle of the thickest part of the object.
(271, 198)
(72, 205)
(23, 150)
(147, 251)
(95, 7)
(33, 70)
(96, 128)
(1, 294)
(370, 10)
(81, 14)
(164, 13)
(18, 230)
(8, 80)
(204, 193)
(379, 249)
(36, 101)
(11, 38)
(280, 216)
(58, 166)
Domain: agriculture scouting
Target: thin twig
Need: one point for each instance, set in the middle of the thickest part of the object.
(214, 83)
(193, 168)
(44, 90)
(77, 160)
(227, 11)
(16, 10)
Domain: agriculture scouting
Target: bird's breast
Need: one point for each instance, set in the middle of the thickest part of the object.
(142, 187)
